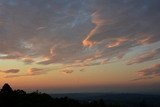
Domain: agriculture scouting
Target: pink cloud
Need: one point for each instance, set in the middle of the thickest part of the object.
(149, 72)
(116, 43)
(154, 70)
(98, 24)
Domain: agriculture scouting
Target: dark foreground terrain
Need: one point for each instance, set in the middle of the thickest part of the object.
(118, 100)
(19, 98)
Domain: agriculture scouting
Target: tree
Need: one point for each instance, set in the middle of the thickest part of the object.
(6, 89)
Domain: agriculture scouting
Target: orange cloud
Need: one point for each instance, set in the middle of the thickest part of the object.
(116, 43)
(88, 43)
(98, 23)
(144, 41)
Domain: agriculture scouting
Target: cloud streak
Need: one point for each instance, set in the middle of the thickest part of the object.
(36, 71)
(148, 56)
(149, 73)
(10, 71)
(153, 70)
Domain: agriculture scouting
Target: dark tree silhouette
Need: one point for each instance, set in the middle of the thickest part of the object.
(6, 88)
(19, 98)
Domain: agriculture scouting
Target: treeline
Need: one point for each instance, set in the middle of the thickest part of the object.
(19, 98)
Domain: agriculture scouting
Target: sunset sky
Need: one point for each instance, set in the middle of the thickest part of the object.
(80, 45)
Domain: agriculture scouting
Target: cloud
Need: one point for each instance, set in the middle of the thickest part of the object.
(112, 21)
(143, 78)
(82, 70)
(104, 61)
(13, 76)
(30, 72)
(153, 70)
(28, 60)
(151, 55)
(51, 32)
(67, 70)
(149, 73)
(10, 71)
(116, 43)
(41, 28)
(13, 55)
(36, 71)
(46, 62)
(113, 28)
(144, 40)
(98, 23)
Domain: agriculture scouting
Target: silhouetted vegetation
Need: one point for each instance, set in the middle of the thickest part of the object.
(19, 98)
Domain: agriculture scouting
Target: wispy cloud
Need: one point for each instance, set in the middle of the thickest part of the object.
(149, 73)
(13, 76)
(151, 55)
(144, 40)
(143, 78)
(36, 71)
(10, 56)
(98, 23)
(41, 28)
(153, 70)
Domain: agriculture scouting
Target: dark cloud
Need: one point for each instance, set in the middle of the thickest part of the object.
(30, 72)
(10, 71)
(82, 70)
(143, 78)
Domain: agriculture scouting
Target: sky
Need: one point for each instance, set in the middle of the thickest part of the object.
(58, 46)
